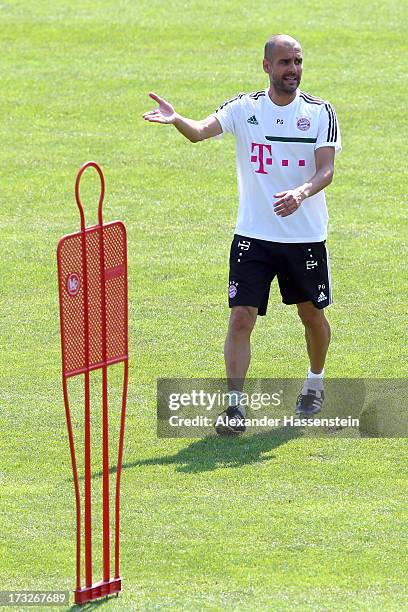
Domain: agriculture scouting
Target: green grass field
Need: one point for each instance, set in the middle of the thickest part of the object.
(257, 523)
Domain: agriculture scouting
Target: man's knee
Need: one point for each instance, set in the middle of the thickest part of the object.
(311, 316)
(242, 319)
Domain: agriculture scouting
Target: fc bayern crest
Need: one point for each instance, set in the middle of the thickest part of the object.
(232, 291)
(73, 284)
(303, 124)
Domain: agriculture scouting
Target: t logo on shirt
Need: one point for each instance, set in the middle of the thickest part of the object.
(261, 156)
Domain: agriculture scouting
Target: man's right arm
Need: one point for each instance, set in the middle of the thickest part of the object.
(191, 129)
(198, 130)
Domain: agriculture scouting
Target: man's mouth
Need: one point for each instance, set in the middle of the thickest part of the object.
(291, 79)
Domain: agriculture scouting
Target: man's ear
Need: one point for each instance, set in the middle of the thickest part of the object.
(266, 65)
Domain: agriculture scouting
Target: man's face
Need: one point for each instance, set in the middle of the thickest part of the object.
(285, 68)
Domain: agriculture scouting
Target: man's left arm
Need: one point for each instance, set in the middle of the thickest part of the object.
(289, 201)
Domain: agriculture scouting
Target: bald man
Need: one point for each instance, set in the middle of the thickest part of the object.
(286, 141)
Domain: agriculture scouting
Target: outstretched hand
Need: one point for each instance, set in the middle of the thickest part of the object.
(165, 113)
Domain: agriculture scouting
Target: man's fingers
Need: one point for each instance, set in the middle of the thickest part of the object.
(280, 201)
(155, 119)
(155, 97)
(285, 209)
(282, 195)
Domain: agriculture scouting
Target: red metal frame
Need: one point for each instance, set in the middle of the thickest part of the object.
(84, 304)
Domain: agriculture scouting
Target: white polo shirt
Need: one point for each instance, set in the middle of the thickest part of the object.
(275, 148)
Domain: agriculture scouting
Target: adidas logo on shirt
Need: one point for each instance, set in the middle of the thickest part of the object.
(252, 120)
(321, 297)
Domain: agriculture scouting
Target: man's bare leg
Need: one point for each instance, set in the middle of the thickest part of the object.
(317, 333)
(237, 348)
(237, 353)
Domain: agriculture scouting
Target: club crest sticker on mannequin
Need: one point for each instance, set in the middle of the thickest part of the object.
(73, 284)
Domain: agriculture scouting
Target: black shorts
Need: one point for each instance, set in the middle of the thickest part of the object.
(303, 271)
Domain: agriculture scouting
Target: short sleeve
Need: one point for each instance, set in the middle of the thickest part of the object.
(328, 134)
(227, 114)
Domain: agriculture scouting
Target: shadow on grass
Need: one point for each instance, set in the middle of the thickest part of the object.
(216, 452)
(92, 605)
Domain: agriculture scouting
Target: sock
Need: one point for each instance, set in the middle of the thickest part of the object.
(313, 381)
(311, 374)
(235, 399)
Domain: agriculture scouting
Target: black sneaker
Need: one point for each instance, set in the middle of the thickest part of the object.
(311, 403)
(230, 422)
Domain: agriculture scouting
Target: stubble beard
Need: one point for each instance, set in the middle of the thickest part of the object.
(283, 87)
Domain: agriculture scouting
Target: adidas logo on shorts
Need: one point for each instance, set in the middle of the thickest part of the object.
(321, 297)
(253, 120)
